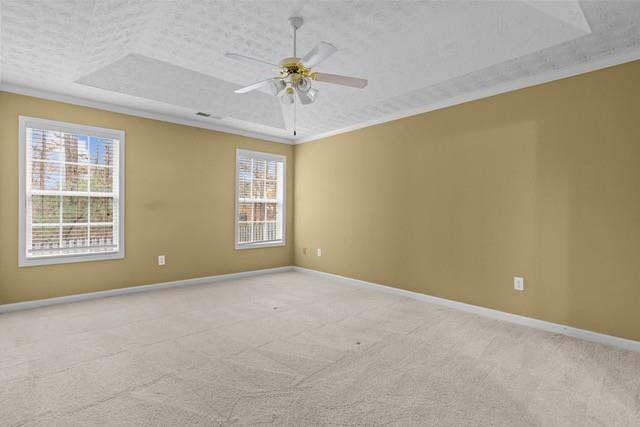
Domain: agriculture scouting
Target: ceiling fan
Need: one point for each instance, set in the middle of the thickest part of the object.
(296, 74)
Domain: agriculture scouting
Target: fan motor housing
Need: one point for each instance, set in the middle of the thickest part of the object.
(292, 65)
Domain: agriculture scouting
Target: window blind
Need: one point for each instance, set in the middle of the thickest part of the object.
(71, 193)
(260, 196)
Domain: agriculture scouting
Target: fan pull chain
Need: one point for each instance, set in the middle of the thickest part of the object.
(295, 110)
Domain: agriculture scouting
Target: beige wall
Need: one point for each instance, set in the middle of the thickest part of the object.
(179, 189)
(543, 182)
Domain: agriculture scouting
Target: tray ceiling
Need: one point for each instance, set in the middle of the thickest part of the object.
(166, 58)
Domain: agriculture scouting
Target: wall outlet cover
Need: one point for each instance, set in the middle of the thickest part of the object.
(319, 252)
(161, 260)
(518, 283)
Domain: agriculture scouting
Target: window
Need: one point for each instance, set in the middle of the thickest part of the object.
(71, 193)
(260, 205)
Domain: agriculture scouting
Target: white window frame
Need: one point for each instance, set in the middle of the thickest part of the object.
(266, 156)
(24, 122)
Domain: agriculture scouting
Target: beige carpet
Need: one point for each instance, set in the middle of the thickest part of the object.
(295, 349)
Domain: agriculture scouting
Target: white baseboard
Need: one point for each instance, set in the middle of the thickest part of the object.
(488, 312)
(483, 311)
(5, 308)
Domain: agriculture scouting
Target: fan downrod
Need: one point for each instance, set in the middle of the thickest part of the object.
(296, 22)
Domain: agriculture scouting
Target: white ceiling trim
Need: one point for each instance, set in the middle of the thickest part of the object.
(609, 61)
(546, 77)
(52, 96)
(417, 56)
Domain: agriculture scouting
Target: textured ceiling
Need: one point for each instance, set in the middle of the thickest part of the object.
(166, 57)
(150, 78)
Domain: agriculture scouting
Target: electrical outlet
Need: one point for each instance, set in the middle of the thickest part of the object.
(518, 283)
(319, 252)
(161, 260)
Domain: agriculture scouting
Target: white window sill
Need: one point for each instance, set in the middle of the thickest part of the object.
(260, 245)
(65, 259)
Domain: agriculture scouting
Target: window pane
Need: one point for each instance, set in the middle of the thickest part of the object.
(83, 148)
(258, 211)
(76, 147)
(244, 213)
(272, 230)
(45, 209)
(102, 179)
(271, 211)
(46, 175)
(45, 237)
(46, 145)
(272, 170)
(74, 236)
(76, 178)
(271, 189)
(101, 235)
(75, 209)
(101, 151)
(101, 209)
(258, 230)
(244, 189)
(244, 169)
(244, 232)
(258, 189)
(260, 168)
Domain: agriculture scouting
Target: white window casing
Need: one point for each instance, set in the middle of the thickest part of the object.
(71, 206)
(260, 200)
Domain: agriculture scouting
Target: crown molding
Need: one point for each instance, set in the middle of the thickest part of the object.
(608, 61)
(54, 96)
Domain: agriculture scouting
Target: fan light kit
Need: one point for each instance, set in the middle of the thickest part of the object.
(296, 75)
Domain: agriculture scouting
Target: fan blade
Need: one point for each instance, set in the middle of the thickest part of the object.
(322, 51)
(250, 59)
(304, 97)
(340, 80)
(253, 86)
